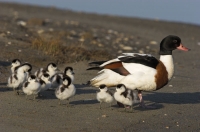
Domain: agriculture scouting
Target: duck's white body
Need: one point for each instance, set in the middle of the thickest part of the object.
(140, 76)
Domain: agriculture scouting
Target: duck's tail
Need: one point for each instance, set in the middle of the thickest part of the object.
(107, 77)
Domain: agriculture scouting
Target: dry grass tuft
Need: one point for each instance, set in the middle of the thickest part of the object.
(49, 47)
(71, 53)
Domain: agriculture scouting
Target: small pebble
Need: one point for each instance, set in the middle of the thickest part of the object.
(153, 42)
(127, 48)
(104, 116)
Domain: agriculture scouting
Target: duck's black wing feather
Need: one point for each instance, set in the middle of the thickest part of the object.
(146, 60)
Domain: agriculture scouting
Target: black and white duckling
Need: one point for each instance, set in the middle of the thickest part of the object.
(14, 65)
(31, 87)
(45, 82)
(51, 69)
(57, 78)
(69, 71)
(104, 95)
(66, 90)
(17, 79)
(124, 96)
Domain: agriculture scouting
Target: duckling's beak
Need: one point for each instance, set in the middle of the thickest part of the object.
(181, 47)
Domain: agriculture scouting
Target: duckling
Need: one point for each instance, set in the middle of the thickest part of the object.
(14, 65)
(57, 78)
(124, 96)
(31, 87)
(16, 80)
(51, 69)
(66, 90)
(104, 95)
(45, 83)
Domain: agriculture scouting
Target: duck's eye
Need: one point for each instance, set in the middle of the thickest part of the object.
(174, 41)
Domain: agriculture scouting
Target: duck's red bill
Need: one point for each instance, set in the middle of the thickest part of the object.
(181, 47)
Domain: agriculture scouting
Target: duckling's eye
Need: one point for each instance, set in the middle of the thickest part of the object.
(174, 41)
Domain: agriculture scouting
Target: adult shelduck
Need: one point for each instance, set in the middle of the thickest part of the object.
(141, 72)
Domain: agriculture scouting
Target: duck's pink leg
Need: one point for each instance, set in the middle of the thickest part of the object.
(142, 101)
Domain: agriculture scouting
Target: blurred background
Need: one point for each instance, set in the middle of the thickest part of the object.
(185, 11)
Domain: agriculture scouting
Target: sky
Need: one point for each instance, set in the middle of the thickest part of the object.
(187, 11)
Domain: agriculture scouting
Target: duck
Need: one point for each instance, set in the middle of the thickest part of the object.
(125, 96)
(141, 72)
(31, 86)
(57, 78)
(17, 79)
(104, 95)
(66, 90)
(14, 65)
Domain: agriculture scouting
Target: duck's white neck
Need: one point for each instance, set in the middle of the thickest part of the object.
(167, 60)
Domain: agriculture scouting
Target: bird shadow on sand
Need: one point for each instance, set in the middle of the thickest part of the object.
(173, 98)
(85, 89)
(83, 102)
(159, 99)
(5, 63)
(5, 88)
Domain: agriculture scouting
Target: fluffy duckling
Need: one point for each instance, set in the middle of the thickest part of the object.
(124, 96)
(66, 90)
(69, 72)
(31, 87)
(57, 78)
(16, 80)
(51, 69)
(14, 64)
(45, 82)
(104, 95)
